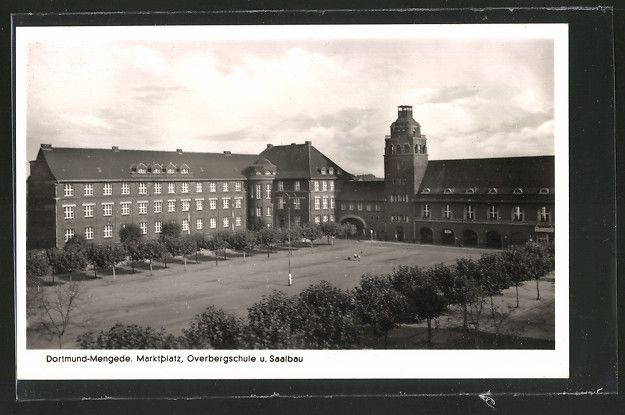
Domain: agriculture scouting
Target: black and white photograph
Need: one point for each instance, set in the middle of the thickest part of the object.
(291, 201)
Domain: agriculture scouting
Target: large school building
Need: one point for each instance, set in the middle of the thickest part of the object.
(490, 202)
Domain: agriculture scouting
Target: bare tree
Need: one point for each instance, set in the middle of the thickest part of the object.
(57, 306)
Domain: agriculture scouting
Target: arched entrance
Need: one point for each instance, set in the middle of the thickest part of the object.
(469, 238)
(357, 221)
(517, 238)
(427, 236)
(448, 237)
(493, 239)
(399, 233)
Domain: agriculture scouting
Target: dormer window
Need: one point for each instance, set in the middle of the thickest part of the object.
(517, 191)
(471, 190)
(331, 170)
(449, 190)
(426, 190)
(544, 191)
(171, 168)
(184, 169)
(493, 191)
(141, 168)
(323, 170)
(338, 171)
(156, 169)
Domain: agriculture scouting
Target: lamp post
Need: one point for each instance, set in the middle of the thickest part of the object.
(288, 232)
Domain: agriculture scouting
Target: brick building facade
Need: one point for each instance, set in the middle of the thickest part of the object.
(94, 192)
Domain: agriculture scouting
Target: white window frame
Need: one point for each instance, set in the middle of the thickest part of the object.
(237, 221)
(88, 189)
(297, 203)
(68, 190)
(225, 222)
(317, 202)
(212, 187)
(158, 188)
(426, 210)
(158, 206)
(143, 207)
(69, 211)
(316, 185)
(171, 206)
(447, 211)
(143, 226)
(212, 204)
(185, 205)
(470, 212)
(268, 191)
(88, 210)
(158, 226)
(125, 189)
(324, 202)
(108, 206)
(89, 233)
(124, 208)
(259, 191)
(171, 188)
(324, 185)
(238, 203)
(68, 234)
(237, 186)
(199, 224)
(225, 203)
(224, 187)
(184, 187)
(107, 189)
(107, 231)
(280, 185)
(185, 225)
(198, 187)
(212, 223)
(143, 188)
(297, 185)
(493, 212)
(199, 204)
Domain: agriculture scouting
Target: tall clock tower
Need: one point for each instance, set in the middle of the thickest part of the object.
(405, 162)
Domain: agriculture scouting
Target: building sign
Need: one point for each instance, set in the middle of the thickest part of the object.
(448, 231)
(549, 229)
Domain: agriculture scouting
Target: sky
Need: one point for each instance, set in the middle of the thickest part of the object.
(473, 97)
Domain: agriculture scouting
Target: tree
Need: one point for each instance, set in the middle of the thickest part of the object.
(95, 257)
(171, 229)
(348, 230)
(493, 279)
(172, 244)
(274, 321)
(152, 250)
(58, 305)
(425, 300)
(379, 305)
(331, 230)
(268, 237)
(76, 243)
(188, 246)
(130, 236)
(200, 243)
(328, 317)
(537, 262)
(242, 241)
(311, 232)
(68, 261)
(113, 254)
(514, 267)
(132, 336)
(37, 266)
(469, 291)
(216, 243)
(215, 329)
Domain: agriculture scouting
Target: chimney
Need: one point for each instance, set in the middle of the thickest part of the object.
(227, 153)
(179, 150)
(308, 143)
(115, 149)
(269, 145)
(46, 147)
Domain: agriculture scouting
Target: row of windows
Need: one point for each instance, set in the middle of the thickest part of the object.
(107, 230)
(142, 207)
(407, 149)
(158, 168)
(324, 185)
(322, 203)
(401, 218)
(359, 206)
(491, 191)
(399, 198)
(259, 211)
(157, 188)
(324, 218)
(517, 213)
(399, 180)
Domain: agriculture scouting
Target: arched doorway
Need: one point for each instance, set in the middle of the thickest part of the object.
(493, 239)
(517, 238)
(469, 238)
(357, 222)
(427, 236)
(448, 237)
(399, 233)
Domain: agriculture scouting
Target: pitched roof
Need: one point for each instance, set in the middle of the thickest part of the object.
(302, 161)
(95, 164)
(506, 174)
(362, 190)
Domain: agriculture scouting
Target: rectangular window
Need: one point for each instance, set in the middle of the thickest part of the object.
(378, 208)
(447, 212)
(88, 211)
(268, 191)
(297, 204)
(107, 209)
(143, 208)
(199, 204)
(158, 206)
(351, 206)
(226, 222)
(280, 185)
(331, 185)
(125, 189)
(324, 203)
(324, 185)
(259, 212)
(268, 211)
(198, 188)
(171, 188)
(171, 205)
(368, 207)
(331, 218)
(212, 187)
(317, 202)
(68, 190)
(493, 214)
(184, 187)
(359, 205)
(237, 203)
(470, 213)
(185, 204)
(317, 220)
(199, 224)
(296, 186)
(108, 231)
(144, 228)
(297, 220)
(280, 203)
(544, 214)
(325, 218)
(185, 225)
(237, 186)
(107, 190)
(224, 187)
(259, 191)
(212, 204)
(89, 233)
(88, 190)
(225, 203)
(517, 214)
(69, 234)
(143, 188)
(68, 212)
(157, 188)
(125, 207)
(213, 223)
(426, 210)
(158, 225)
(316, 185)
(343, 206)
(237, 221)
